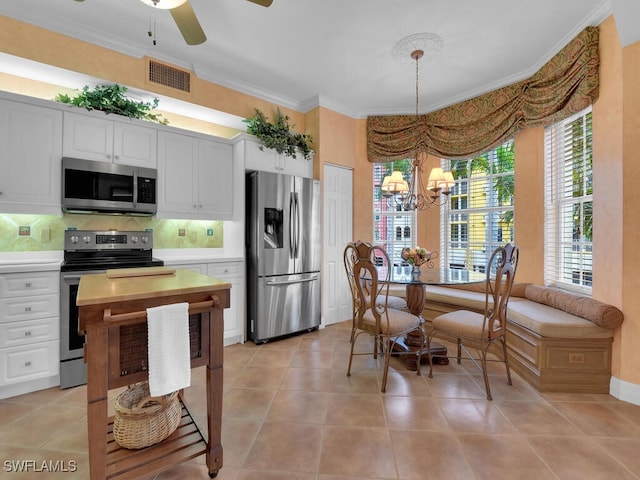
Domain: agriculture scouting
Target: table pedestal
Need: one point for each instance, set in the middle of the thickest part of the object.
(416, 298)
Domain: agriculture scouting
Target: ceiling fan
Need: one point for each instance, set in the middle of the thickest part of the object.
(186, 19)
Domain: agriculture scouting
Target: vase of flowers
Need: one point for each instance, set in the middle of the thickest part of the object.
(416, 257)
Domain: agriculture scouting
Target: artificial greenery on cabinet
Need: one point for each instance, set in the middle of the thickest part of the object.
(279, 135)
(112, 99)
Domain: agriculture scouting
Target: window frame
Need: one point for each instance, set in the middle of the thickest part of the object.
(397, 218)
(469, 252)
(568, 262)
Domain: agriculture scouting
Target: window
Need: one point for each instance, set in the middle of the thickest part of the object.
(569, 203)
(393, 228)
(479, 215)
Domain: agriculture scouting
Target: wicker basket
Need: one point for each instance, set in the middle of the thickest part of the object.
(142, 420)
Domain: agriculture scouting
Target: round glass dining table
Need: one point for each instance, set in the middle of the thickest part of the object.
(416, 300)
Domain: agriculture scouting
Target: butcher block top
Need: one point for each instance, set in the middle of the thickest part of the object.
(150, 282)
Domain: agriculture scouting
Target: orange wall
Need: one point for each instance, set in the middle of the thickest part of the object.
(529, 222)
(608, 182)
(26, 41)
(629, 337)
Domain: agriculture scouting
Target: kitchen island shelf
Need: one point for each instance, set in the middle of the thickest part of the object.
(187, 442)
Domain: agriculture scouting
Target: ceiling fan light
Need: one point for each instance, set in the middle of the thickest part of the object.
(163, 4)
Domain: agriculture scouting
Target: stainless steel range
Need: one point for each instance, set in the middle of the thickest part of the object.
(87, 252)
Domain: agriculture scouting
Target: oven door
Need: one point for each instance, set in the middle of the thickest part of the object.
(71, 344)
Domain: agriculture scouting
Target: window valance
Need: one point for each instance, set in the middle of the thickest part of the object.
(565, 85)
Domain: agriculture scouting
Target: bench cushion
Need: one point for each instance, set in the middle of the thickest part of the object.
(455, 296)
(601, 314)
(550, 322)
(537, 317)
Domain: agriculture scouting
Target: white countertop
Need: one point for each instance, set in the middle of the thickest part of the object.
(175, 256)
(16, 262)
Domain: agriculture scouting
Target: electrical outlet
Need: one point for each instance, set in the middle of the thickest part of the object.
(576, 358)
(24, 230)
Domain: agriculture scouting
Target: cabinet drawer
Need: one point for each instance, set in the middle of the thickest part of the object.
(29, 283)
(231, 269)
(19, 364)
(33, 331)
(29, 308)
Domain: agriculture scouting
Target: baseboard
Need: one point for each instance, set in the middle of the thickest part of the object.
(625, 391)
(15, 389)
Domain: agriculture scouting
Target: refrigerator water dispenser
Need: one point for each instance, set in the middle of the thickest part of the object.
(272, 228)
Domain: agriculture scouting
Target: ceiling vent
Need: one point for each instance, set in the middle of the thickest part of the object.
(169, 76)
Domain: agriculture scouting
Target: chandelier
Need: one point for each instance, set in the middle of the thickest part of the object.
(415, 195)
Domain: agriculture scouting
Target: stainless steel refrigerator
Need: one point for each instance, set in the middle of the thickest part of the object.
(283, 253)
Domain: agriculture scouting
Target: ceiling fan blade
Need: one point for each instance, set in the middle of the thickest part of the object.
(264, 3)
(188, 24)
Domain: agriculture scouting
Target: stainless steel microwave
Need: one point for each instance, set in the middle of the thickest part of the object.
(100, 187)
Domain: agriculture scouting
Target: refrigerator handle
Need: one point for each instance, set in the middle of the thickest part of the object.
(297, 225)
(292, 245)
(272, 283)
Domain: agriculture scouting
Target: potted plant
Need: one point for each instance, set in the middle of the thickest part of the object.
(278, 135)
(112, 99)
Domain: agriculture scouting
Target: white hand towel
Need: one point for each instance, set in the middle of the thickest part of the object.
(169, 352)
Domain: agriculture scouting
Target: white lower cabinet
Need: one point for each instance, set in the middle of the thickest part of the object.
(29, 331)
(32, 362)
(234, 316)
(232, 272)
(194, 267)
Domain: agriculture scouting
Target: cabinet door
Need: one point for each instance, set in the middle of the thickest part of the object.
(29, 362)
(298, 166)
(177, 174)
(234, 316)
(29, 284)
(28, 332)
(30, 153)
(215, 181)
(87, 137)
(27, 308)
(134, 145)
(266, 160)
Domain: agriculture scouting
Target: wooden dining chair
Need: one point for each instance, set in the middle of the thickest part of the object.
(395, 302)
(480, 331)
(369, 272)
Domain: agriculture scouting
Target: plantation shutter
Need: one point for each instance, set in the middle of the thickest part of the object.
(569, 203)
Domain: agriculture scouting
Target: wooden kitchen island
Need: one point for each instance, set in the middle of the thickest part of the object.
(112, 316)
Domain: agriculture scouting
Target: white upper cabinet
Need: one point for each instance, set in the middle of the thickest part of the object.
(215, 179)
(30, 153)
(269, 160)
(195, 178)
(109, 140)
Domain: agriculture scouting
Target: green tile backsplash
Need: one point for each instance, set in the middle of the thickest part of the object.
(45, 232)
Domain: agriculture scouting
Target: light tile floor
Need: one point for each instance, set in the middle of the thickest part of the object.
(291, 413)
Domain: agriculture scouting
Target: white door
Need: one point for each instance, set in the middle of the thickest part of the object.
(338, 231)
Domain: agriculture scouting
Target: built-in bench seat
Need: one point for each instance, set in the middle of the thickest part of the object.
(557, 341)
